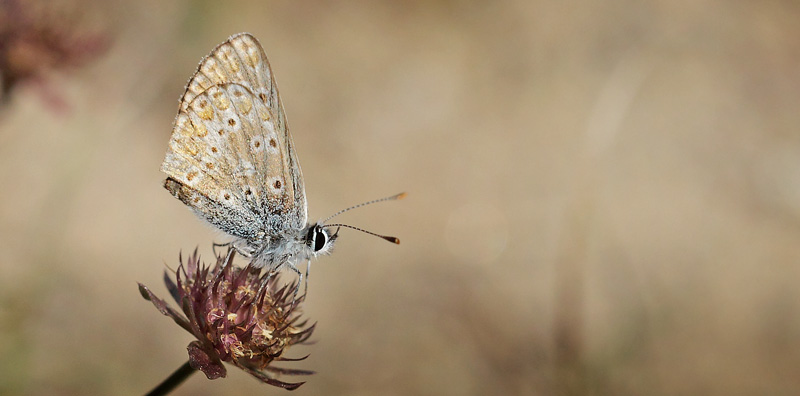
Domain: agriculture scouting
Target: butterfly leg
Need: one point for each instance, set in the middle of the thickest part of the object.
(264, 285)
(215, 245)
(308, 271)
(227, 262)
(229, 257)
(300, 280)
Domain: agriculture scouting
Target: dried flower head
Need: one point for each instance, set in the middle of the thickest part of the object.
(238, 315)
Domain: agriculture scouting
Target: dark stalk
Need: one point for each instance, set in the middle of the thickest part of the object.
(172, 382)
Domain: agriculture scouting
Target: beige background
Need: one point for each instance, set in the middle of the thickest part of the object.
(604, 198)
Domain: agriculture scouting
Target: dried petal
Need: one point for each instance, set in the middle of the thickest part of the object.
(199, 359)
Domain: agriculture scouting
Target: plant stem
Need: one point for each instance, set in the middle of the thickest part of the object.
(172, 382)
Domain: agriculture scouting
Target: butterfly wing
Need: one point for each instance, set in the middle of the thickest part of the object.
(241, 60)
(231, 158)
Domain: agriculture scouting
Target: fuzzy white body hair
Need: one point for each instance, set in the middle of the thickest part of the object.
(290, 248)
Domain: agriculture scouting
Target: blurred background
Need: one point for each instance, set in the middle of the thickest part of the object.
(604, 197)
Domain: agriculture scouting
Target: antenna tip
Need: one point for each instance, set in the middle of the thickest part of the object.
(392, 239)
(400, 196)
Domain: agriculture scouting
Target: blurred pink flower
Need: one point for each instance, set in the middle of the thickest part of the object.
(37, 37)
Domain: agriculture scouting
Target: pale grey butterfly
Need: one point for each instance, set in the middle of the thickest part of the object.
(232, 161)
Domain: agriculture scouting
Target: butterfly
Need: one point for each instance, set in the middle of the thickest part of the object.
(232, 161)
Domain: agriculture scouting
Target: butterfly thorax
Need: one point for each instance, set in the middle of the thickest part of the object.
(288, 247)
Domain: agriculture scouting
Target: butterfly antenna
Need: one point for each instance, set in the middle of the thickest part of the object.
(392, 198)
(385, 237)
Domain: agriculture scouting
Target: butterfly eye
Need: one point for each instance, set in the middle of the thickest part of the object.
(317, 238)
(320, 239)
